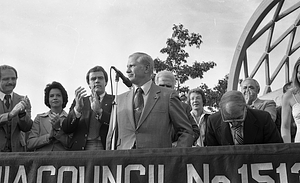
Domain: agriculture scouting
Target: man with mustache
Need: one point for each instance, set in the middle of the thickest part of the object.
(250, 89)
(89, 116)
(14, 112)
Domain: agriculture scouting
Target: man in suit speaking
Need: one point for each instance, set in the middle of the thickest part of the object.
(147, 113)
(237, 124)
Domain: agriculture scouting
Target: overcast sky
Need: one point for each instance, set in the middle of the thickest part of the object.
(61, 40)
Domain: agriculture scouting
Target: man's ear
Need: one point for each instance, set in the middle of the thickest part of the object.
(147, 68)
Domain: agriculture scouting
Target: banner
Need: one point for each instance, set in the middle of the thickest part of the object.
(236, 164)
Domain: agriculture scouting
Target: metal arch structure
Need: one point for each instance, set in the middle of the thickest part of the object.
(251, 33)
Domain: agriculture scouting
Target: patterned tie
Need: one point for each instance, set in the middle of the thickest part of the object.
(138, 104)
(238, 137)
(7, 101)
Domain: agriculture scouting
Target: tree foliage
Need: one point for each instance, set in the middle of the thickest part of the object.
(213, 96)
(177, 56)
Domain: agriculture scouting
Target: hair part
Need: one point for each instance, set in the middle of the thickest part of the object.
(5, 67)
(96, 69)
(55, 85)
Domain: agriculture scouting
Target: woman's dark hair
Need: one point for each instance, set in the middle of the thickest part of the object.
(55, 85)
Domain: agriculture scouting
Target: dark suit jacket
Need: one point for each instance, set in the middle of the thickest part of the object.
(259, 128)
(80, 126)
(195, 127)
(17, 125)
(163, 111)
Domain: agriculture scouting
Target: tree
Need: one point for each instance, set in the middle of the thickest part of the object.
(213, 96)
(177, 57)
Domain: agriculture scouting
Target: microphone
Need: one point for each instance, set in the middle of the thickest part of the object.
(126, 81)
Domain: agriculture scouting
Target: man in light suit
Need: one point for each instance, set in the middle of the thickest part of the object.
(89, 116)
(161, 112)
(167, 79)
(250, 89)
(256, 126)
(14, 112)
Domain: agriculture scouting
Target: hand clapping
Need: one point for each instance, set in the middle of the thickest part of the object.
(21, 107)
(95, 103)
(79, 94)
(55, 121)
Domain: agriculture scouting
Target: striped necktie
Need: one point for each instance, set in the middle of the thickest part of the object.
(138, 104)
(237, 128)
(7, 101)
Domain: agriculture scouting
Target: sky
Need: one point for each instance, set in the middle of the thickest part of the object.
(61, 40)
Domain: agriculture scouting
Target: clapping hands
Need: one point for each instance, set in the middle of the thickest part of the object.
(95, 103)
(80, 93)
(55, 121)
(23, 105)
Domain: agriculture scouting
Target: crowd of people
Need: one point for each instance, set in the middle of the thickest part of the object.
(149, 115)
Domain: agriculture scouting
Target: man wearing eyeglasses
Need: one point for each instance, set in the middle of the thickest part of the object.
(237, 124)
(167, 79)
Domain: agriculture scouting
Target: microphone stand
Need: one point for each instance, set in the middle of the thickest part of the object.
(114, 113)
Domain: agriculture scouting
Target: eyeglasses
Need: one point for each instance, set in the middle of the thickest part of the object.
(240, 119)
(168, 86)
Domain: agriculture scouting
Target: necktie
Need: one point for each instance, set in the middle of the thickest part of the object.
(238, 137)
(7, 101)
(138, 104)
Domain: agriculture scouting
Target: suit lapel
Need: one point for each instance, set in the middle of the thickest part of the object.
(16, 99)
(46, 124)
(153, 96)
(258, 104)
(87, 110)
(250, 128)
(226, 133)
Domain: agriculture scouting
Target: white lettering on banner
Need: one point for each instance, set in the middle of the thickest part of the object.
(218, 179)
(6, 175)
(42, 169)
(107, 175)
(281, 170)
(192, 174)
(21, 175)
(96, 174)
(255, 168)
(81, 174)
(258, 172)
(244, 173)
(63, 169)
(130, 168)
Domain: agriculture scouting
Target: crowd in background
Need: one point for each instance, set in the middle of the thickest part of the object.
(150, 115)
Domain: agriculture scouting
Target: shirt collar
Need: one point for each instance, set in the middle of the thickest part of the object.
(240, 123)
(145, 87)
(102, 96)
(2, 95)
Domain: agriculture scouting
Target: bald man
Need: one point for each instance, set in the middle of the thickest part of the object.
(167, 79)
(255, 126)
(250, 89)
